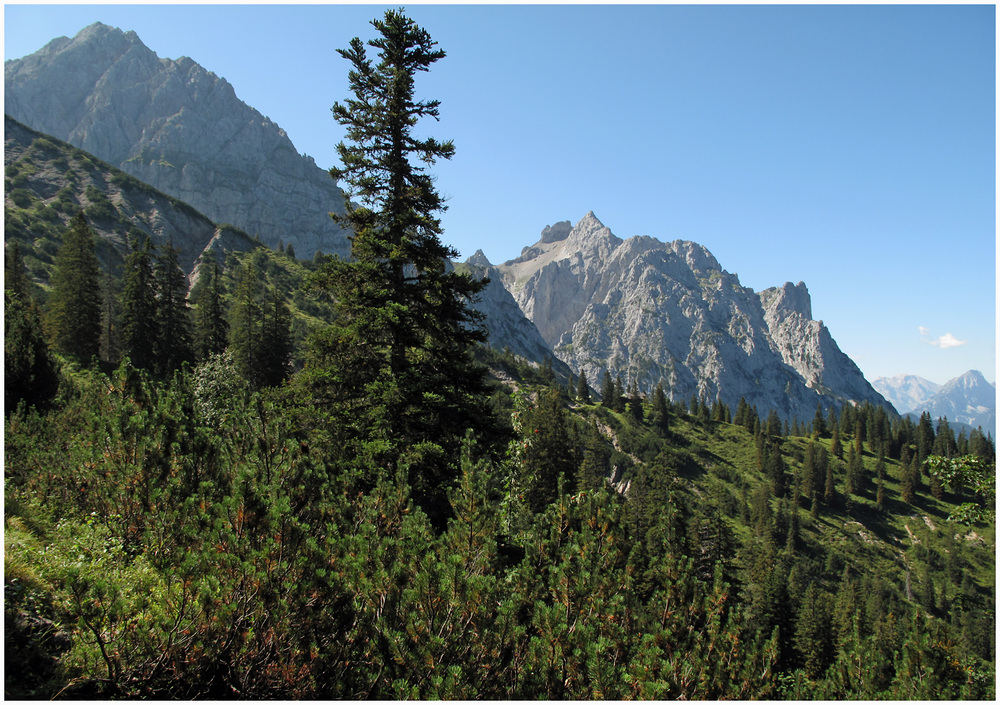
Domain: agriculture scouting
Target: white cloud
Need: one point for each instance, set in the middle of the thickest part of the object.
(945, 341)
(948, 341)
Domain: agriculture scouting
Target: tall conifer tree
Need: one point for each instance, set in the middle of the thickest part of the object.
(74, 307)
(174, 339)
(211, 326)
(139, 307)
(399, 357)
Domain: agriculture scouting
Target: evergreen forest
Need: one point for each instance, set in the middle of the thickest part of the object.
(305, 479)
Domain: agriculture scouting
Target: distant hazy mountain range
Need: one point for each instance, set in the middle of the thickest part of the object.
(967, 400)
(649, 311)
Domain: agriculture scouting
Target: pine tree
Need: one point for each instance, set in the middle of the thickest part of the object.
(74, 306)
(30, 373)
(660, 413)
(139, 307)
(400, 355)
(607, 391)
(211, 326)
(174, 339)
(583, 389)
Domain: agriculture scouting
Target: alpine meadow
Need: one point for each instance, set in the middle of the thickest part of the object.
(367, 471)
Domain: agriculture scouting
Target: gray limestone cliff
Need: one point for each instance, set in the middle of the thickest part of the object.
(179, 128)
(667, 312)
(508, 327)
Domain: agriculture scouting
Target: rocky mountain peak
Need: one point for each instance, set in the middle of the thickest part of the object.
(668, 313)
(180, 128)
(695, 256)
(973, 385)
(590, 233)
(968, 399)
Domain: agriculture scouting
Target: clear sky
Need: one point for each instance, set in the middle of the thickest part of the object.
(850, 147)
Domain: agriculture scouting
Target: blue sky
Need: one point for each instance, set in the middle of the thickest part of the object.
(849, 147)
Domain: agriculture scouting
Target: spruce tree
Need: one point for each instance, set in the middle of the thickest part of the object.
(211, 326)
(276, 336)
(74, 306)
(15, 278)
(139, 307)
(635, 403)
(660, 414)
(174, 338)
(260, 330)
(596, 465)
(607, 391)
(30, 373)
(398, 361)
(549, 457)
(583, 389)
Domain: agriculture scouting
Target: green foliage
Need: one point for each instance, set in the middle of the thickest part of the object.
(74, 307)
(260, 331)
(973, 473)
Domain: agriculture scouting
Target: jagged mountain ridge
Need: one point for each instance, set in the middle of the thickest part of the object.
(48, 181)
(180, 128)
(667, 312)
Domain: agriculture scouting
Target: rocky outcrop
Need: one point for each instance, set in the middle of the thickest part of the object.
(808, 348)
(667, 312)
(180, 128)
(507, 325)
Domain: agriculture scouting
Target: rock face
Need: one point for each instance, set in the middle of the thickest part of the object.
(669, 313)
(180, 128)
(906, 392)
(507, 324)
(49, 181)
